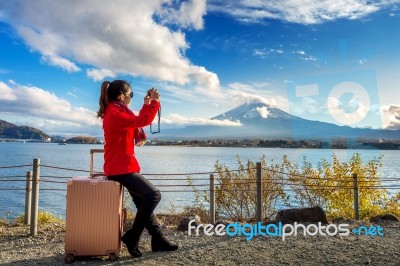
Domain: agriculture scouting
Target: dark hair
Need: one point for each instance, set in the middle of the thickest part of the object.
(110, 92)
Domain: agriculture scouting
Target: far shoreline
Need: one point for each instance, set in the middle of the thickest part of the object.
(312, 144)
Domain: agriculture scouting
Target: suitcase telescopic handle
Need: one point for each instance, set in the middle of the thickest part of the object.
(124, 215)
(92, 152)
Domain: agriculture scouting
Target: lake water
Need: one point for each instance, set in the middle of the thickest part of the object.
(153, 160)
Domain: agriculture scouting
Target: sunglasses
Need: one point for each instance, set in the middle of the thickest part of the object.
(130, 94)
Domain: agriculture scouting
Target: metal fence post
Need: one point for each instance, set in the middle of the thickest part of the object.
(28, 197)
(356, 202)
(259, 193)
(35, 196)
(212, 199)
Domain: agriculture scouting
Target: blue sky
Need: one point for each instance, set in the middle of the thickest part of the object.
(334, 61)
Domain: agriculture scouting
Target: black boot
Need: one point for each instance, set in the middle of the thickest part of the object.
(133, 248)
(160, 243)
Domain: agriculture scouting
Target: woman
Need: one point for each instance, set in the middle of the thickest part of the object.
(121, 126)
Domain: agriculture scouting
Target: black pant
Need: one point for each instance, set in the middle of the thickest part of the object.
(146, 197)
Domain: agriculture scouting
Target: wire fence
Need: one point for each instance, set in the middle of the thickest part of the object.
(165, 177)
(197, 184)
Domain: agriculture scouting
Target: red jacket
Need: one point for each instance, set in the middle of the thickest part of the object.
(119, 124)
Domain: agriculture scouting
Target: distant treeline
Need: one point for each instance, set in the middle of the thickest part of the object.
(82, 140)
(281, 143)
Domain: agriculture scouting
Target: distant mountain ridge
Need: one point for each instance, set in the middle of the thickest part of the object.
(11, 131)
(260, 120)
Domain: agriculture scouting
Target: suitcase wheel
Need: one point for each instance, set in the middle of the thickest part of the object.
(69, 258)
(112, 257)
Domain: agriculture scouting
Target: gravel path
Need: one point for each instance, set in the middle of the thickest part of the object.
(17, 248)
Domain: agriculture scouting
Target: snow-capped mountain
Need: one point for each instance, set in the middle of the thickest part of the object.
(260, 120)
(255, 110)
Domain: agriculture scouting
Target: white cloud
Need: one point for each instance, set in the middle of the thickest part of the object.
(309, 58)
(189, 15)
(184, 95)
(264, 52)
(308, 106)
(61, 62)
(100, 74)
(258, 52)
(62, 128)
(44, 110)
(73, 93)
(177, 119)
(300, 54)
(347, 113)
(298, 11)
(261, 84)
(6, 93)
(124, 37)
(237, 93)
(362, 61)
(4, 71)
(277, 51)
(37, 103)
(231, 96)
(391, 117)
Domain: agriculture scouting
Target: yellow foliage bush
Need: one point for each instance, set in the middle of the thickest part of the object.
(235, 191)
(392, 206)
(44, 217)
(329, 185)
(3, 222)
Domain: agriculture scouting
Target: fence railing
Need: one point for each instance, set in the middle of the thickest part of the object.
(33, 180)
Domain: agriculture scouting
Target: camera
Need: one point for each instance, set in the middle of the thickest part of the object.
(148, 92)
(158, 115)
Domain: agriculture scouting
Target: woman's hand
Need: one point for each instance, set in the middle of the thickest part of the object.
(152, 94)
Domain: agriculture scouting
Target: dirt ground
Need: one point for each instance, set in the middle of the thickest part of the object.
(47, 248)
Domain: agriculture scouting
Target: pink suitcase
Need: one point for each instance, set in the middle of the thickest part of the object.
(94, 217)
